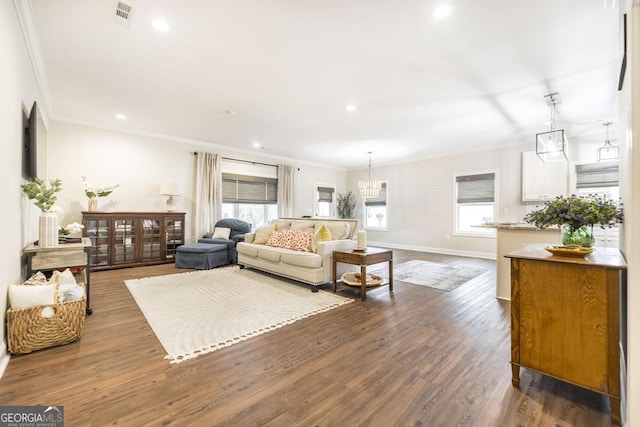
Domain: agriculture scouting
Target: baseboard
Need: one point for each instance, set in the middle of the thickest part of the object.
(4, 358)
(471, 254)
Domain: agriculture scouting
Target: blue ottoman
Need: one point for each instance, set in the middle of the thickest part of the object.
(201, 256)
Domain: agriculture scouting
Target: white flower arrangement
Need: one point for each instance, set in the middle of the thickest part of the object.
(74, 227)
(97, 192)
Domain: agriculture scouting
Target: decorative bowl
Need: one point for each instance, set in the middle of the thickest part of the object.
(570, 250)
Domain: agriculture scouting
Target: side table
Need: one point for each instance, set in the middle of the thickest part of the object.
(62, 256)
(363, 258)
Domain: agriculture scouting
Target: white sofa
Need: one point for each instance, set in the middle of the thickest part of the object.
(314, 268)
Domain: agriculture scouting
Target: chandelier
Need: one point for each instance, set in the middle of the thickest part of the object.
(608, 151)
(552, 146)
(369, 187)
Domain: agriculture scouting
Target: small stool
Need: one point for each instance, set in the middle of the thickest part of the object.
(201, 256)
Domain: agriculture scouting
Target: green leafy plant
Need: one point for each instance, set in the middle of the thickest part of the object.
(43, 195)
(346, 205)
(576, 212)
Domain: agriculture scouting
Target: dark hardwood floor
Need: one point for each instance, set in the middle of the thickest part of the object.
(418, 357)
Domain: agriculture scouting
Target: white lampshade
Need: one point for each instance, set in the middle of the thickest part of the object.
(169, 188)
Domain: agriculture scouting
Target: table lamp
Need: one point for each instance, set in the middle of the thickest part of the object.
(170, 189)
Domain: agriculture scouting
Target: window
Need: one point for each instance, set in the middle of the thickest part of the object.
(375, 210)
(475, 203)
(250, 198)
(596, 178)
(325, 201)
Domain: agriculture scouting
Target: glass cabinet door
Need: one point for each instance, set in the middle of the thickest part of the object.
(97, 230)
(151, 242)
(124, 240)
(174, 235)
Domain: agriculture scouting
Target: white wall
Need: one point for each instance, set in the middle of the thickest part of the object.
(18, 89)
(420, 196)
(630, 170)
(139, 164)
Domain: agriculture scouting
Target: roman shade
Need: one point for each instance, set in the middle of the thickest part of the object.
(325, 194)
(597, 175)
(479, 188)
(249, 189)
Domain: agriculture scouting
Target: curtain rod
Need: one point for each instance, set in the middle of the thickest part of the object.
(195, 153)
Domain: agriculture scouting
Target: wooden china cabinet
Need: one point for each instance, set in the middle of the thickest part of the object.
(131, 239)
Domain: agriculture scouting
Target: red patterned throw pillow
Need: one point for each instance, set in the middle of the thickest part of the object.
(276, 239)
(297, 240)
(301, 240)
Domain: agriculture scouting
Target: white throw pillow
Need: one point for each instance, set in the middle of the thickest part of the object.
(21, 296)
(221, 233)
(70, 292)
(65, 277)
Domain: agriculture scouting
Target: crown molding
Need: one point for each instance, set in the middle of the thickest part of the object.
(30, 34)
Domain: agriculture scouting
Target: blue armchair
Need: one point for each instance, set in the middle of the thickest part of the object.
(238, 230)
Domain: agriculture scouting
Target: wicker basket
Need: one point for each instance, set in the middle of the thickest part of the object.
(28, 331)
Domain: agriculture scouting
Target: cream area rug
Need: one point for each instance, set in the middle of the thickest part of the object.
(432, 274)
(200, 312)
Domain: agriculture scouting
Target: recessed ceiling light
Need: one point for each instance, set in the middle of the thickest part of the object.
(121, 116)
(256, 144)
(442, 11)
(351, 107)
(230, 112)
(160, 25)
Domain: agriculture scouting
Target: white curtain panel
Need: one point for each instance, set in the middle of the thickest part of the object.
(208, 192)
(285, 191)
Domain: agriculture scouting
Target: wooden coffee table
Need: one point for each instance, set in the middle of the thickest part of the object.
(363, 258)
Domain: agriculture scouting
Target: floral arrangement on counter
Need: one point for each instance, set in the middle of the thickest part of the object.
(97, 192)
(74, 227)
(43, 194)
(576, 212)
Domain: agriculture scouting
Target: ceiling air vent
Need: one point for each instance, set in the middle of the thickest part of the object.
(123, 12)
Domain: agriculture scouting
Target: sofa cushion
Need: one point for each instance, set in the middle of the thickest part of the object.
(302, 259)
(307, 226)
(282, 224)
(322, 234)
(201, 248)
(263, 234)
(269, 254)
(227, 243)
(248, 249)
(339, 230)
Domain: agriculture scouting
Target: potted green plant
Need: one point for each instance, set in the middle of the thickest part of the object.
(44, 197)
(346, 205)
(577, 215)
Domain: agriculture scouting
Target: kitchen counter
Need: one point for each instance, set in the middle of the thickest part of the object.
(512, 236)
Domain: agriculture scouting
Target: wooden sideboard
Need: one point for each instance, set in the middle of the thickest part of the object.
(565, 318)
(128, 239)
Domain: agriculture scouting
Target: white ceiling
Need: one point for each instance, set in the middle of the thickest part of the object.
(288, 68)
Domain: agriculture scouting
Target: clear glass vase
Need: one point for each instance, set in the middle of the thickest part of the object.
(93, 204)
(581, 236)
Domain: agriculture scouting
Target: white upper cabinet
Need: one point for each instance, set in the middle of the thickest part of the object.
(543, 181)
